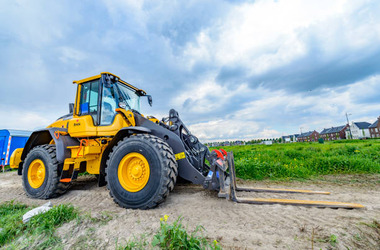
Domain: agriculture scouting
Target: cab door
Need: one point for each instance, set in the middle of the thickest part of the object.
(87, 113)
(110, 121)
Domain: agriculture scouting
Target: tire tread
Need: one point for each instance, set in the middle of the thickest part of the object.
(55, 187)
(169, 164)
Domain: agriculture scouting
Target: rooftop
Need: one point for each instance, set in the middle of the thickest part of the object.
(362, 125)
(374, 125)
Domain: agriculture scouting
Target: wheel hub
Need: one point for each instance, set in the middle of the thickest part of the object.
(36, 173)
(133, 172)
(137, 169)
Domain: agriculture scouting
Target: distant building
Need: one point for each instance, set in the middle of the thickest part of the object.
(334, 133)
(267, 142)
(239, 143)
(294, 137)
(285, 139)
(359, 130)
(308, 136)
(323, 134)
(374, 129)
(289, 138)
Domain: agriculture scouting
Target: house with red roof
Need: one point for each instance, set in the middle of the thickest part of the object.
(334, 133)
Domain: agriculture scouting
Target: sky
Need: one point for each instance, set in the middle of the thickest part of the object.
(234, 70)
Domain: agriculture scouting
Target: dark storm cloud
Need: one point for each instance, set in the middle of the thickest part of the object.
(313, 72)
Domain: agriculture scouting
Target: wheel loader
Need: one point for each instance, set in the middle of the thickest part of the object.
(138, 157)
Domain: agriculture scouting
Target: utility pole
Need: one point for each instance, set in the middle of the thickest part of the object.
(349, 127)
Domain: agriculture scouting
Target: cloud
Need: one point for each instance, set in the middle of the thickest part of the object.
(207, 96)
(11, 119)
(233, 69)
(70, 55)
(220, 130)
(293, 45)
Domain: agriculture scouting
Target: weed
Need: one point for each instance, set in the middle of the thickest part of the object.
(171, 236)
(175, 236)
(333, 240)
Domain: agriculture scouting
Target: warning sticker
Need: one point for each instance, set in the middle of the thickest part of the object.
(180, 156)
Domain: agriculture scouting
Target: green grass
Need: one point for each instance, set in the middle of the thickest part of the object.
(11, 221)
(306, 160)
(39, 230)
(172, 236)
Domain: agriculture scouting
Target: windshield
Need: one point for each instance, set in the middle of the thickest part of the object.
(112, 95)
(131, 99)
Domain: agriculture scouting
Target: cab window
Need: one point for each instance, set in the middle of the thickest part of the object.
(109, 104)
(89, 99)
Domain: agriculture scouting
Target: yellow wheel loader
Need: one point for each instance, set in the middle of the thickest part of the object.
(138, 157)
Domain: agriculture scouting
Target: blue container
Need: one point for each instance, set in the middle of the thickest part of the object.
(10, 140)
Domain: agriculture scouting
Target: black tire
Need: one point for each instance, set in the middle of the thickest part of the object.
(51, 186)
(163, 171)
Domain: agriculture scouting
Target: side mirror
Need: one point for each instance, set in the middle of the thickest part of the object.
(71, 108)
(122, 105)
(150, 100)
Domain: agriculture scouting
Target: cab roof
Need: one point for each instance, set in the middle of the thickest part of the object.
(142, 92)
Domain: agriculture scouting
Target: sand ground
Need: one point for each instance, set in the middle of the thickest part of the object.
(235, 226)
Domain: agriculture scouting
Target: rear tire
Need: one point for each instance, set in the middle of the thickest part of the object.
(48, 184)
(158, 163)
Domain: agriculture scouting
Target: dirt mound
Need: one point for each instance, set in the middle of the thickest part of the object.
(236, 226)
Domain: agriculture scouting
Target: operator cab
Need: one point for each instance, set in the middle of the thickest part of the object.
(98, 97)
(115, 93)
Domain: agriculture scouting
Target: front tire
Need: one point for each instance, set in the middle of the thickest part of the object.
(141, 171)
(40, 174)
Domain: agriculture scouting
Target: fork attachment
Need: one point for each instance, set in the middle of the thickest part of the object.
(228, 189)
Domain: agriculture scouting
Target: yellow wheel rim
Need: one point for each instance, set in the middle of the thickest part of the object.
(36, 173)
(133, 172)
